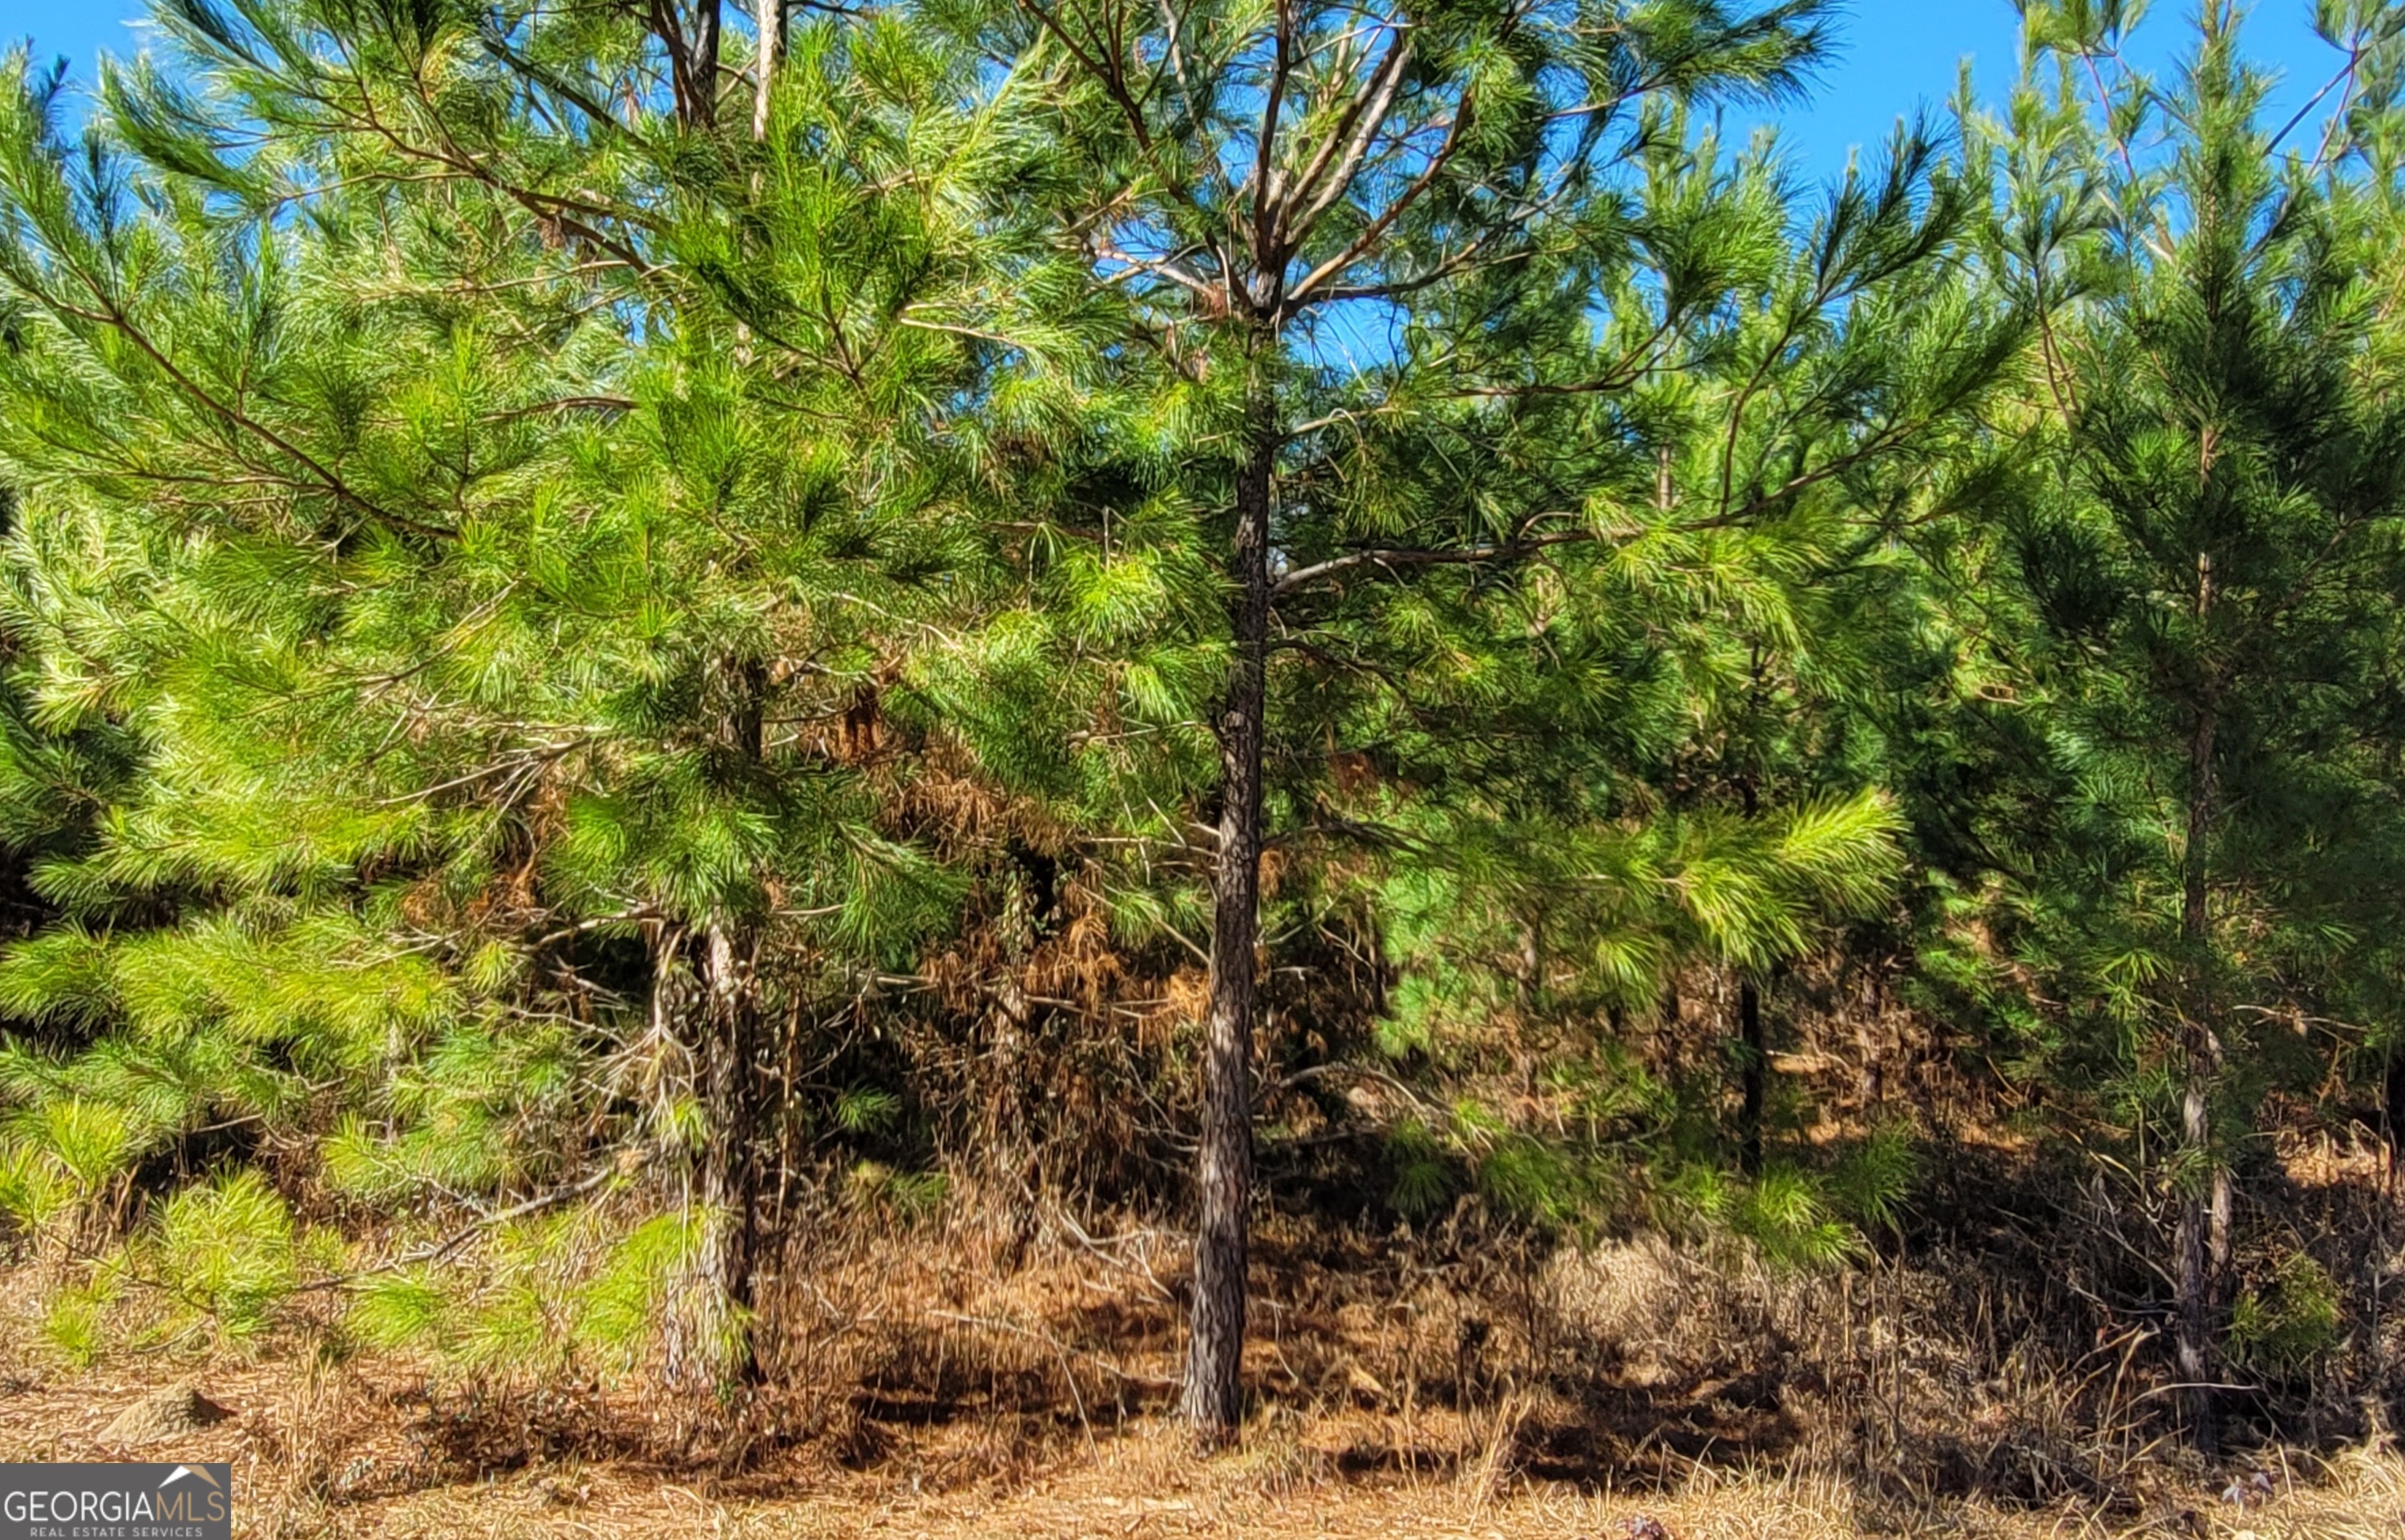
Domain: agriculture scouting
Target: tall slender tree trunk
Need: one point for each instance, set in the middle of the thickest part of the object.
(742, 1062)
(1755, 1087)
(733, 1174)
(2202, 1236)
(1753, 1045)
(735, 1063)
(692, 46)
(1214, 1401)
(2203, 1231)
(768, 17)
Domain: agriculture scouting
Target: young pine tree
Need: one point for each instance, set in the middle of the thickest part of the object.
(1388, 268)
(1254, 179)
(491, 493)
(2210, 590)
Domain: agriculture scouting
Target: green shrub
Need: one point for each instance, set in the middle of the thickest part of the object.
(2291, 1324)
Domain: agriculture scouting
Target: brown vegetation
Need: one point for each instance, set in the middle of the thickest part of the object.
(937, 1392)
(999, 1363)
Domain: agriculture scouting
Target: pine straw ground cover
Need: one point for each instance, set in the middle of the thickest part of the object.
(1137, 1482)
(1001, 1368)
(373, 1444)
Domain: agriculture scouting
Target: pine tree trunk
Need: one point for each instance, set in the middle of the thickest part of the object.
(1214, 1391)
(1755, 1086)
(696, 1311)
(692, 48)
(2393, 1108)
(768, 17)
(734, 1067)
(1753, 1070)
(733, 1176)
(2202, 1236)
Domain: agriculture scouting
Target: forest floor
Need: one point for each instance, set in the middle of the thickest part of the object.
(313, 1456)
(951, 1384)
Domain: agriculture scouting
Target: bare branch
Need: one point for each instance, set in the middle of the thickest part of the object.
(1395, 209)
(1323, 182)
(1465, 556)
(1268, 208)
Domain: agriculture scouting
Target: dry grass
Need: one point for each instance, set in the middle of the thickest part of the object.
(1003, 1367)
(1139, 1482)
(974, 1383)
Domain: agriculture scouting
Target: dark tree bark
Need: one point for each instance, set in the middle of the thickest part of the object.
(1754, 1088)
(1753, 1048)
(2393, 1106)
(691, 42)
(1214, 1391)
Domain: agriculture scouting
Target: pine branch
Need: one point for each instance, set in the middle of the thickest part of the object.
(1506, 550)
(629, 1161)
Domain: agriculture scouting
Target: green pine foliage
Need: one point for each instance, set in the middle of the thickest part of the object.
(619, 638)
(479, 585)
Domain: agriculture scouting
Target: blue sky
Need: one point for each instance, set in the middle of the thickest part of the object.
(1896, 54)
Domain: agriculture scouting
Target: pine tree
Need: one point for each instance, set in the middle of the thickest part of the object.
(494, 519)
(1254, 178)
(1366, 253)
(1840, 412)
(2208, 592)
